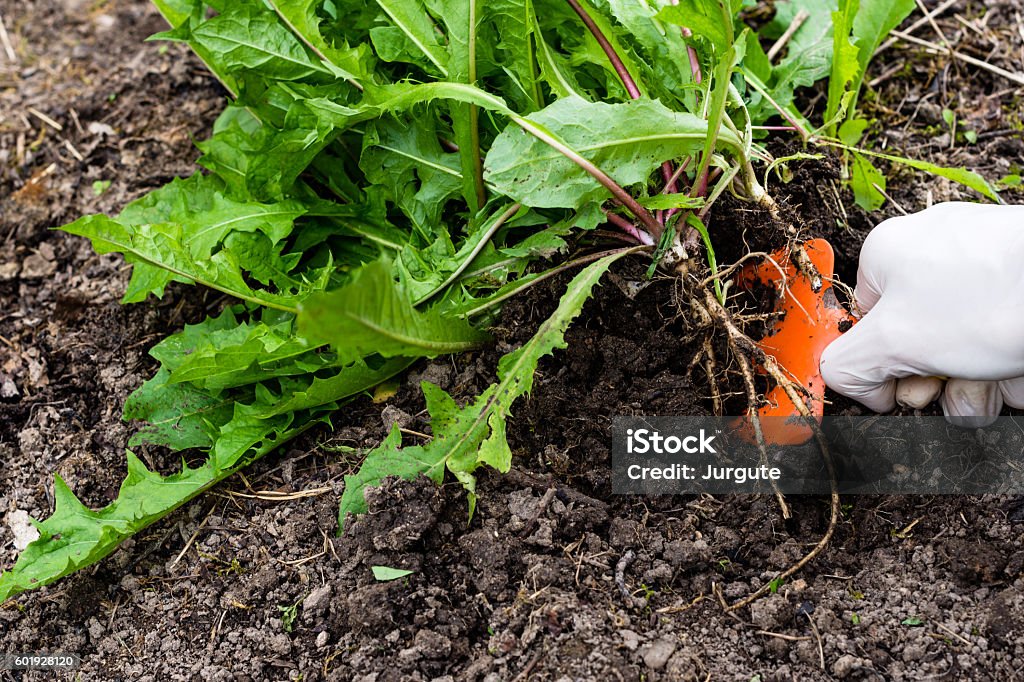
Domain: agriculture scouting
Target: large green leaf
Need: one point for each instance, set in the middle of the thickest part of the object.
(860, 27)
(411, 18)
(161, 254)
(301, 17)
(374, 314)
(248, 37)
(626, 141)
(513, 22)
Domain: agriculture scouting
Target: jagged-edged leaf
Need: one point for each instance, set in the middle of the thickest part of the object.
(461, 19)
(965, 177)
(405, 162)
(709, 19)
(188, 231)
(465, 438)
(555, 70)
(74, 536)
(867, 183)
(301, 17)
(410, 17)
(248, 37)
(513, 22)
(374, 314)
(179, 416)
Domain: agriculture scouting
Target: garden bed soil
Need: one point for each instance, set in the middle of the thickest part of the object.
(238, 587)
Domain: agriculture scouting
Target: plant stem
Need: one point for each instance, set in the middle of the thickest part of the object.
(474, 112)
(653, 227)
(548, 274)
(690, 52)
(763, 91)
(486, 237)
(613, 57)
(620, 68)
(629, 228)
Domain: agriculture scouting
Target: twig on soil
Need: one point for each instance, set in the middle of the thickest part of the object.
(892, 201)
(797, 22)
(779, 635)
(275, 496)
(917, 24)
(679, 608)
(418, 434)
(620, 576)
(931, 20)
(216, 628)
(192, 538)
(817, 636)
(74, 152)
(12, 56)
(113, 614)
(887, 74)
(525, 672)
(953, 634)
(45, 119)
(937, 49)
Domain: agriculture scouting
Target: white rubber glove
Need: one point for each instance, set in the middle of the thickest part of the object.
(943, 290)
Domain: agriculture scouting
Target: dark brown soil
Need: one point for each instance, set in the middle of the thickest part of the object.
(234, 587)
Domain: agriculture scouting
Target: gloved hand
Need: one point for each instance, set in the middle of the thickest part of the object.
(943, 293)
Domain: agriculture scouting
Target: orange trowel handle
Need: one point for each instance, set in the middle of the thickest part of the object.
(811, 319)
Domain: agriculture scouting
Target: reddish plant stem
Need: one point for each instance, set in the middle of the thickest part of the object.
(620, 68)
(692, 55)
(629, 228)
(613, 57)
(620, 236)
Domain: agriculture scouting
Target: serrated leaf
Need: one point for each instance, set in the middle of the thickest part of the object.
(513, 22)
(554, 69)
(375, 314)
(249, 37)
(860, 27)
(706, 18)
(405, 161)
(846, 68)
(965, 177)
(179, 416)
(465, 438)
(412, 19)
(74, 536)
(301, 17)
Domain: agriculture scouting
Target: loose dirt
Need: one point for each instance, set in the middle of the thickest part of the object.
(234, 587)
